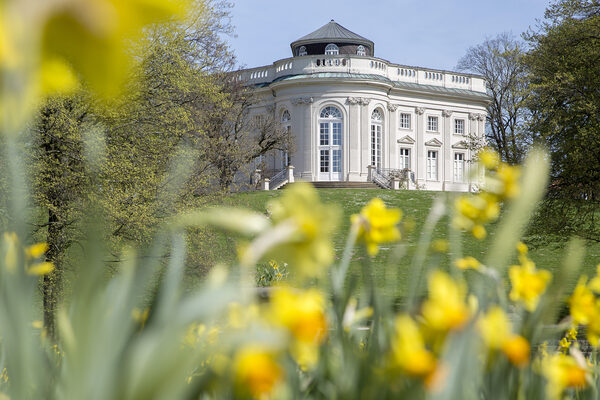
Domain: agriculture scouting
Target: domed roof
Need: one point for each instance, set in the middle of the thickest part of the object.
(332, 32)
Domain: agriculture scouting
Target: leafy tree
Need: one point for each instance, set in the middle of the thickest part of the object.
(565, 110)
(499, 61)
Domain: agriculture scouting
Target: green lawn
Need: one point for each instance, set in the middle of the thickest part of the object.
(391, 267)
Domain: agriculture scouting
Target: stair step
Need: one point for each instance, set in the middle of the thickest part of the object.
(343, 185)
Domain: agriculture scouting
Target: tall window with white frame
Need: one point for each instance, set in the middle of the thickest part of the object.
(404, 158)
(432, 165)
(405, 120)
(376, 137)
(330, 144)
(286, 121)
(332, 49)
(459, 126)
(459, 167)
(432, 123)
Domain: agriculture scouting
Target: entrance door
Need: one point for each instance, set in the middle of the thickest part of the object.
(330, 144)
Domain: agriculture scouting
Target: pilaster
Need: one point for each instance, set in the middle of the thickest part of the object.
(419, 133)
(447, 149)
(391, 137)
(306, 144)
(354, 154)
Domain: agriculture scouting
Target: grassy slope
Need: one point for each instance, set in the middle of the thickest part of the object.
(390, 268)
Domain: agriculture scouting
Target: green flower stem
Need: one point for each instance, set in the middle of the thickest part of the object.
(339, 274)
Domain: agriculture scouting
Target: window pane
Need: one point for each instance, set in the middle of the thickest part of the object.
(337, 134)
(337, 161)
(405, 121)
(324, 160)
(324, 134)
(459, 126)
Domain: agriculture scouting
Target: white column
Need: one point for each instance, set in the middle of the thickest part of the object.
(365, 135)
(354, 156)
(419, 133)
(391, 137)
(447, 149)
(306, 146)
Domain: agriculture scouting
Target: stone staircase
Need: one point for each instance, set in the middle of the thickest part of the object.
(343, 185)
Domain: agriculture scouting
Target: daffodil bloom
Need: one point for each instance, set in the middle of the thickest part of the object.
(517, 350)
(489, 158)
(564, 345)
(507, 178)
(440, 245)
(522, 248)
(377, 224)
(572, 334)
(494, 327)
(472, 211)
(307, 226)
(43, 268)
(408, 350)
(528, 284)
(302, 313)
(467, 263)
(256, 371)
(445, 309)
(36, 250)
(582, 303)
(496, 332)
(563, 371)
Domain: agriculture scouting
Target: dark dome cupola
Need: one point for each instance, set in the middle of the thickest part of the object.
(332, 38)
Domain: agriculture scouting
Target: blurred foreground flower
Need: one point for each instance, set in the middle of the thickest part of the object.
(445, 309)
(377, 224)
(528, 283)
(408, 350)
(562, 372)
(256, 371)
(301, 234)
(496, 331)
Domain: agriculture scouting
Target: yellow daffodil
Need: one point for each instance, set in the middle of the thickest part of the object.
(507, 181)
(256, 371)
(528, 283)
(304, 228)
(472, 211)
(36, 250)
(572, 334)
(496, 332)
(517, 350)
(445, 309)
(408, 350)
(43, 268)
(563, 371)
(377, 224)
(489, 158)
(582, 303)
(494, 327)
(564, 345)
(467, 263)
(301, 312)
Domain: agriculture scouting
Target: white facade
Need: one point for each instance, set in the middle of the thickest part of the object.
(350, 111)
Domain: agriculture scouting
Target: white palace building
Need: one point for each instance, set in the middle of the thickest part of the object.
(356, 117)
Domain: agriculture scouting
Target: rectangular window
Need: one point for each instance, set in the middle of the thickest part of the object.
(404, 158)
(459, 126)
(324, 131)
(324, 160)
(459, 167)
(432, 165)
(405, 121)
(432, 124)
(337, 161)
(337, 134)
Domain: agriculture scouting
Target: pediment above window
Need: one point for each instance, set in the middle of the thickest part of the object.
(433, 142)
(460, 145)
(406, 140)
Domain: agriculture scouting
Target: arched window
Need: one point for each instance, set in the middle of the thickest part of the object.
(376, 137)
(330, 144)
(361, 51)
(332, 49)
(302, 51)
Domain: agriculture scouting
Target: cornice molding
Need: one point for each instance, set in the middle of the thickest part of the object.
(302, 100)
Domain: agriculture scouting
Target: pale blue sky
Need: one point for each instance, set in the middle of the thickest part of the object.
(424, 33)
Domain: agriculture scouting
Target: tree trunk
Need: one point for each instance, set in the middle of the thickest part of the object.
(53, 282)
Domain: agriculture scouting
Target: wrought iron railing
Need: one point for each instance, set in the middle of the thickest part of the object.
(278, 179)
(385, 177)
